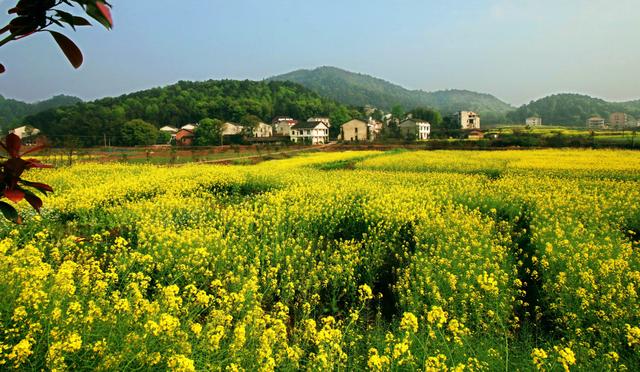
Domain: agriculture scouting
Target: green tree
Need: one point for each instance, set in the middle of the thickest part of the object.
(424, 113)
(138, 132)
(163, 138)
(398, 113)
(209, 132)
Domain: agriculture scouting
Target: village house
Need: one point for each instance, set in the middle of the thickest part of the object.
(354, 130)
(375, 128)
(325, 121)
(534, 121)
(230, 129)
(619, 119)
(262, 130)
(282, 125)
(595, 122)
(184, 137)
(25, 131)
(468, 120)
(415, 129)
(171, 131)
(313, 133)
(191, 127)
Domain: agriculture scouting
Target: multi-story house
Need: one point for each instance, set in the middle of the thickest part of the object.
(313, 133)
(415, 129)
(468, 120)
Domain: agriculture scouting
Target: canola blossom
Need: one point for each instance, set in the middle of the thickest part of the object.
(443, 260)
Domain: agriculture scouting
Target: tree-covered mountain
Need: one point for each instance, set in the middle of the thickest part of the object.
(185, 102)
(12, 111)
(361, 90)
(572, 109)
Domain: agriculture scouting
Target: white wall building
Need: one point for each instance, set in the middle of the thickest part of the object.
(25, 131)
(282, 126)
(310, 133)
(230, 129)
(468, 120)
(262, 130)
(534, 121)
(420, 128)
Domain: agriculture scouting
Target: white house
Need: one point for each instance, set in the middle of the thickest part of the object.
(325, 121)
(421, 129)
(230, 129)
(534, 121)
(25, 131)
(169, 129)
(375, 128)
(190, 127)
(313, 133)
(282, 126)
(596, 122)
(262, 130)
(468, 120)
(354, 130)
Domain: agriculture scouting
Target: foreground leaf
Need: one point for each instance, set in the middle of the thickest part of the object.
(69, 48)
(15, 195)
(10, 212)
(32, 199)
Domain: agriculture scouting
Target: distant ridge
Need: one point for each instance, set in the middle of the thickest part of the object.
(12, 111)
(360, 90)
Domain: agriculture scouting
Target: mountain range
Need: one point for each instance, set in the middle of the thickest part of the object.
(12, 111)
(364, 90)
(344, 88)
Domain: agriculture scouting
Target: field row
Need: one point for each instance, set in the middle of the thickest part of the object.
(409, 260)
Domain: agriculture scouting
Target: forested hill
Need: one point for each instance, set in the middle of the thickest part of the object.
(572, 109)
(12, 111)
(186, 102)
(360, 90)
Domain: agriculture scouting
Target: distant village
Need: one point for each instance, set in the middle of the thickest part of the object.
(315, 130)
(617, 120)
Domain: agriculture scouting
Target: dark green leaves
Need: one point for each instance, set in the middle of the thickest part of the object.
(10, 212)
(71, 20)
(69, 48)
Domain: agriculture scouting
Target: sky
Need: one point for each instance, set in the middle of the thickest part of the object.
(517, 50)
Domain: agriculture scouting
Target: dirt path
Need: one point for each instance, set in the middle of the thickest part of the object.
(227, 160)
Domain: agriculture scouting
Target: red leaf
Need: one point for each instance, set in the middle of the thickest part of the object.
(105, 11)
(34, 149)
(13, 144)
(14, 195)
(35, 201)
(34, 163)
(38, 185)
(2, 69)
(69, 48)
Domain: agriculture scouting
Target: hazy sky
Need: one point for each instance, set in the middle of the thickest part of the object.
(518, 50)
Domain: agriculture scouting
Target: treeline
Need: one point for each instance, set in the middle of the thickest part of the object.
(88, 124)
(571, 109)
(12, 111)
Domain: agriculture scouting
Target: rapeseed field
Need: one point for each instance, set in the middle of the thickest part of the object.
(433, 261)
